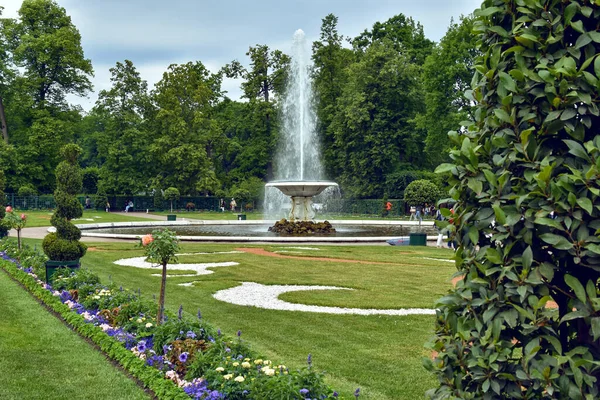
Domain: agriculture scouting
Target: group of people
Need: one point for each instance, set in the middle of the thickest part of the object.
(418, 212)
(232, 205)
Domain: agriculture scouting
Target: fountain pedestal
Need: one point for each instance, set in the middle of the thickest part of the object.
(301, 193)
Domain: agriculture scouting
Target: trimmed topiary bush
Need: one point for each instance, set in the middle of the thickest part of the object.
(4, 224)
(421, 191)
(171, 194)
(526, 178)
(64, 244)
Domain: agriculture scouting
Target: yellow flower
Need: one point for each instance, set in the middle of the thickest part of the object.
(228, 376)
(246, 364)
(139, 320)
(239, 379)
(268, 371)
(267, 362)
(258, 361)
(246, 359)
(219, 369)
(235, 364)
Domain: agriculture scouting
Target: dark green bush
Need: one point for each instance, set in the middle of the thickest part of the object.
(26, 190)
(4, 225)
(526, 178)
(419, 192)
(58, 249)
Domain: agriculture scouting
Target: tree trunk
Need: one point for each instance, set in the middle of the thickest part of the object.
(161, 297)
(3, 125)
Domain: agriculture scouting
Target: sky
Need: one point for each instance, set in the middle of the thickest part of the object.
(156, 33)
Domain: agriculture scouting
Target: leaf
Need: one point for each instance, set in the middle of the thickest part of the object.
(582, 40)
(443, 168)
(502, 115)
(576, 286)
(508, 81)
(559, 242)
(527, 257)
(486, 12)
(577, 149)
(500, 215)
(597, 67)
(474, 235)
(568, 114)
(586, 204)
(595, 328)
(570, 12)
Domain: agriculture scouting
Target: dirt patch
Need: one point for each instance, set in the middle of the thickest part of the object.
(95, 249)
(263, 252)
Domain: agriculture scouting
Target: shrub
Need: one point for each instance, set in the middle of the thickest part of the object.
(26, 191)
(190, 206)
(419, 192)
(171, 194)
(526, 180)
(90, 178)
(4, 225)
(64, 244)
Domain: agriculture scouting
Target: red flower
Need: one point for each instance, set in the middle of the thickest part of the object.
(23, 217)
(8, 209)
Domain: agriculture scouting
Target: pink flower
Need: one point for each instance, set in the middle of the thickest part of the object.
(8, 209)
(23, 217)
(147, 239)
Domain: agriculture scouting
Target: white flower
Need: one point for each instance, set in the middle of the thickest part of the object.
(239, 379)
(235, 364)
(149, 324)
(139, 321)
(105, 327)
(219, 369)
(268, 371)
(227, 377)
(246, 364)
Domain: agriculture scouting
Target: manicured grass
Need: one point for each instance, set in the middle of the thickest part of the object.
(43, 359)
(380, 354)
(42, 218)
(211, 215)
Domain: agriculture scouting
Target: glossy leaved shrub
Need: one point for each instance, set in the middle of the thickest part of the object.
(64, 244)
(524, 322)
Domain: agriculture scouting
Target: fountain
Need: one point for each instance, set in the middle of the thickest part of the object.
(298, 169)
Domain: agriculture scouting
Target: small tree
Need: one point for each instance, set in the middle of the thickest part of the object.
(171, 194)
(161, 247)
(64, 244)
(420, 192)
(16, 222)
(26, 191)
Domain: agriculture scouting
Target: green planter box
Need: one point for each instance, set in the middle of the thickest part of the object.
(52, 266)
(171, 217)
(418, 239)
(241, 217)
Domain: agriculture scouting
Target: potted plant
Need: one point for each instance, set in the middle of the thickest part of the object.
(63, 247)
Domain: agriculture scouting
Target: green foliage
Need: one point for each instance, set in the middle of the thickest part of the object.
(4, 228)
(525, 178)
(397, 182)
(27, 190)
(248, 190)
(64, 244)
(421, 191)
(171, 194)
(90, 179)
(161, 246)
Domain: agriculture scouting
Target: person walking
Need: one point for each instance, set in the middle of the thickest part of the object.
(233, 204)
(440, 237)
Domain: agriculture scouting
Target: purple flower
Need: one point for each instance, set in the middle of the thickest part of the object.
(218, 332)
(166, 349)
(357, 392)
(191, 335)
(141, 346)
(180, 313)
(199, 314)
(227, 350)
(183, 357)
(239, 333)
(304, 392)
(335, 394)
(309, 359)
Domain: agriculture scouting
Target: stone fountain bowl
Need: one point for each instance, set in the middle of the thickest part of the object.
(301, 188)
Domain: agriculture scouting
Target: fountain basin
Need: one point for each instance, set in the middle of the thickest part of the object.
(301, 193)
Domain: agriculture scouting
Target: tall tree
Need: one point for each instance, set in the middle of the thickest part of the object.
(185, 132)
(329, 77)
(122, 141)
(5, 75)
(372, 126)
(263, 81)
(47, 46)
(447, 75)
(403, 33)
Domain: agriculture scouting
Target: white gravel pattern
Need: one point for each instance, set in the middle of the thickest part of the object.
(438, 259)
(200, 269)
(267, 297)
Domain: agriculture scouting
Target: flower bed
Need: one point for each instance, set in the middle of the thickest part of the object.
(181, 358)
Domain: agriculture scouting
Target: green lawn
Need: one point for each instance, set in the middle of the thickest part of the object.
(380, 354)
(42, 218)
(43, 359)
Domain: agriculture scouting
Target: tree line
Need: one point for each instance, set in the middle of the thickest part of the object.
(385, 101)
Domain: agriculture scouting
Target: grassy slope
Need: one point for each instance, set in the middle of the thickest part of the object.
(42, 359)
(381, 354)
